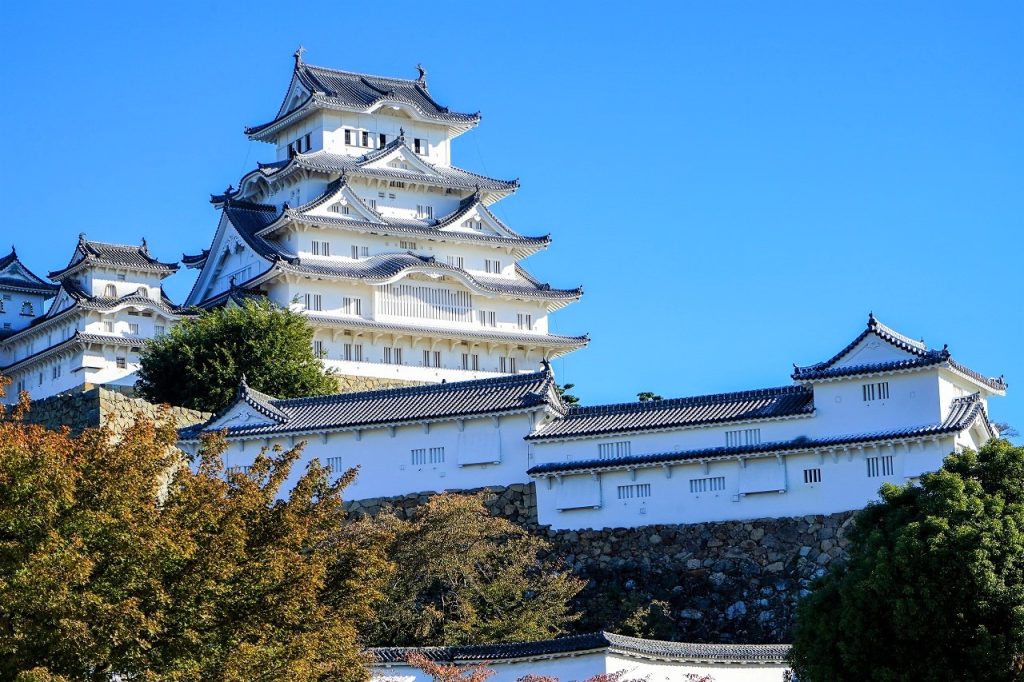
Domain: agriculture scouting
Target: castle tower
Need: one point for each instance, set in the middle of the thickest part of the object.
(363, 224)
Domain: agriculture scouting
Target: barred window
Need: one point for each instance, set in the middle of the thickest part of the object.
(507, 364)
(742, 437)
(812, 475)
(314, 302)
(879, 466)
(876, 391)
(628, 492)
(425, 302)
(707, 485)
(613, 450)
(471, 361)
(422, 456)
(353, 352)
(392, 356)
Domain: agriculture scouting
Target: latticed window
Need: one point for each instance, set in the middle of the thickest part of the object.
(707, 485)
(110, 291)
(628, 492)
(613, 450)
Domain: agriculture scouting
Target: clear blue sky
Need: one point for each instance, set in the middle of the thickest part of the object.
(735, 184)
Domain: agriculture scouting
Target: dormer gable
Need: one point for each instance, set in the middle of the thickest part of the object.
(249, 408)
(341, 203)
(401, 159)
(473, 217)
(15, 276)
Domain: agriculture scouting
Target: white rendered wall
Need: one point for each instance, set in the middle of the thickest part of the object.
(12, 305)
(384, 457)
(568, 668)
(845, 485)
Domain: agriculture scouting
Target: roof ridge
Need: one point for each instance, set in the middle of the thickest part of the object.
(709, 398)
(510, 379)
(358, 74)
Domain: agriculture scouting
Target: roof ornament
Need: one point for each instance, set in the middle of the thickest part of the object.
(231, 283)
(401, 132)
(14, 251)
(144, 246)
(298, 55)
(423, 74)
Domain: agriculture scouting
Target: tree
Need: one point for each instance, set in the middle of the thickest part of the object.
(567, 398)
(646, 396)
(107, 566)
(200, 363)
(481, 673)
(934, 584)
(465, 577)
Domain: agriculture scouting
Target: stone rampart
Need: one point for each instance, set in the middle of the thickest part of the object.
(735, 581)
(103, 406)
(348, 383)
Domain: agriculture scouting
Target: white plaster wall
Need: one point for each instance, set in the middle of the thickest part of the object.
(384, 457)
(11, 317)
(578, 668)
(914, 400)
(389, 122)
(844, 486)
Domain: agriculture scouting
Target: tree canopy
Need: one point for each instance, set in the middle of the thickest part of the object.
(934, 585)
(114, 559)
(200, 362)
(465, 577)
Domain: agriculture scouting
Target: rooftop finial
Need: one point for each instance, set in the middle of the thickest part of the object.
(232, 285)
(145, 246)
(401, 132)
(871, 319)
(423, 73)
(298, 55)
(14, 251)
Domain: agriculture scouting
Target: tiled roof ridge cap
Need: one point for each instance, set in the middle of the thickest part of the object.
(333, 398)
(883, 332)
(244, 205)
(710, 398)
(357, 74)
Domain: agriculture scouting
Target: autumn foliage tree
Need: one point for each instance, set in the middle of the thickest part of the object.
(115, 561)
(464, 576)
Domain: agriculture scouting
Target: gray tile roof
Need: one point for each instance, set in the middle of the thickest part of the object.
(349, 90)
(396, 405)
(89, 252)
(430, 229)
(250, 219)
(77, 340)
(768, 403)
(19, 278)
(963, 414)
(196, 261)
(646, 648)
(336, 164)
(922, 357)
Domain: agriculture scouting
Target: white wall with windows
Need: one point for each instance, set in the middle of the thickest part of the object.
(444, 455)
(734, 489)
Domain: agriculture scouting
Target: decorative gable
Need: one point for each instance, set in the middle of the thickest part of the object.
(340, 202)
(240, 414)
(476, 220)
(403, 160)
(872, 350)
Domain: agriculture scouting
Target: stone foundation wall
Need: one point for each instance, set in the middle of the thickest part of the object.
(728, 582)
(104, 407)
(353, 384)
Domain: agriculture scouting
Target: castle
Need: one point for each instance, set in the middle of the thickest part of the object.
(415, 288)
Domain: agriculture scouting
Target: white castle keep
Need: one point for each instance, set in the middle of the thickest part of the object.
(363, 225)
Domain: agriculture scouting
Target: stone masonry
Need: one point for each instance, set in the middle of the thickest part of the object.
(353, 384)
(727, 582)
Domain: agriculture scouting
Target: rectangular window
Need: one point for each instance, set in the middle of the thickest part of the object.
(108, 327)
(314, 302)
(628, 492)
(348, 136)
(431, 358)
(382, 140)
(525, 320)
(351, 306)
(120, 278)
(877, 391)
(707, 485)
(360, 251)
(471, 361)
(353, 352)
(492, 266)
(122, 363)
(309, 142)
(879, 466)
(411, 246)
(424, 212)
(322, 248)
(488, 318)
(133, 328)
(159, 330)
(392, 356)
(507, 364)
(742, 437)
(56, 371)
(397, 184)
(457, 262)
(366, 139)
(812, 475)
(319, 349)
(391, 195)
(380, 195)
(419, 456)
(336, 465)
(419, 146)
(613, 450)
(436, 455)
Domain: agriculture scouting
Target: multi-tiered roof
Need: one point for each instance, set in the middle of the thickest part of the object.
(265, 222)
(15, 276)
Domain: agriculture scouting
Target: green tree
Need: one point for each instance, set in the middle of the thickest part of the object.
(646, 396)
(934, 585)
(567, 398)
(116, 559)
(463, 576)
(199, 364)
